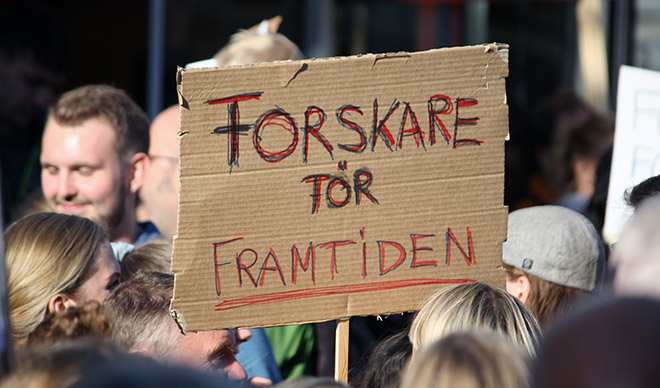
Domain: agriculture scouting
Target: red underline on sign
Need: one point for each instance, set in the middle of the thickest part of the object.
(230, 304)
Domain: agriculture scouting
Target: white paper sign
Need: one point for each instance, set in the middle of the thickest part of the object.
(636, 154)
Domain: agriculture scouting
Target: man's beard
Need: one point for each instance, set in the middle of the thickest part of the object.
(109, 222)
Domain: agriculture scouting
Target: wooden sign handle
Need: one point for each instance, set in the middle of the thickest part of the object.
(341, 351)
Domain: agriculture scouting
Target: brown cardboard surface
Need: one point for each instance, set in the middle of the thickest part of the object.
(253, 205)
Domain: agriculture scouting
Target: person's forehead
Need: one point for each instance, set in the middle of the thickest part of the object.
(223, 335)
(163, 133)
(204, 342)
(218, 338)
(93, 139)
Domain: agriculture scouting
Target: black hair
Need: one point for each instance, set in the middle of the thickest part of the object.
(387, 362)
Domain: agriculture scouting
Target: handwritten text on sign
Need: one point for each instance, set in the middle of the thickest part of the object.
(329, 188)
(315, 118)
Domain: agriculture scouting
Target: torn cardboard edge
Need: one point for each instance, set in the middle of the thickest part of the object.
(502, 50)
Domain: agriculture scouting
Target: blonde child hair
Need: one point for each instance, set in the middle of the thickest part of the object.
(469, 360)
(474, 307)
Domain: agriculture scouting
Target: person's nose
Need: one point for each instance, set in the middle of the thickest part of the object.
(66, 189)
(243, 335)
(235, 371)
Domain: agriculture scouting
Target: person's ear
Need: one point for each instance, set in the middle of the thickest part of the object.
(139, 168)
(525, 288)
(519, 287)
(60, 302)
(273, 25)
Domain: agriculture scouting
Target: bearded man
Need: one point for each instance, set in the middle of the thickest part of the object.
(94, 159)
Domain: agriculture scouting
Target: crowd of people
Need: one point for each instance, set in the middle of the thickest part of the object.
(89, 283)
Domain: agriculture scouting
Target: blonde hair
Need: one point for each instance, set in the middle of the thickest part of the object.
(474, 307)
(469, 360)
(248, 46)
(46, 254)
(155, 255)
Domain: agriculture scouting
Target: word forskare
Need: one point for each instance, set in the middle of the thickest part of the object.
(249, 271)
(315, 117)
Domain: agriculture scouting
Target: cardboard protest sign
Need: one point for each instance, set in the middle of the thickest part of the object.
(321, 189)
(636, 152)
